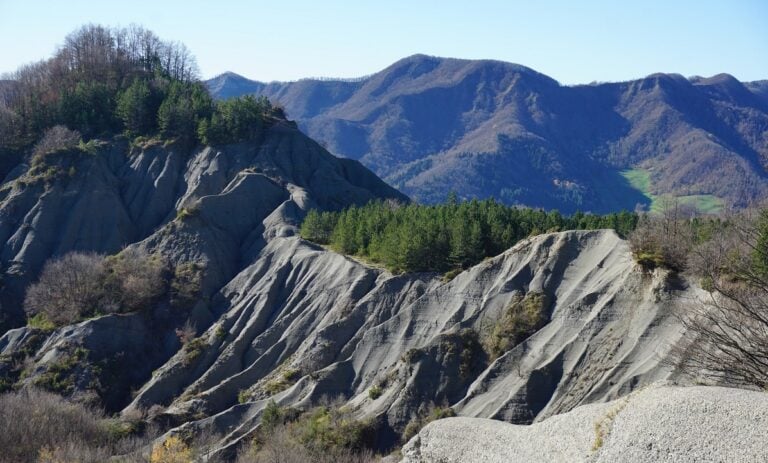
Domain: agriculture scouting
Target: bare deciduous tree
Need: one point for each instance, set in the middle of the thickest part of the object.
(665, 239)
(42, 427)
(728, 330)
(136, 278)
(57, 138)
(83, 284)
(68, 286)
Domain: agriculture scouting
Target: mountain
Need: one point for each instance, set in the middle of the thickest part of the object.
(431, 125)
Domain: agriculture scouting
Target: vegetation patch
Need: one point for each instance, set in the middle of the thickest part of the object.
(243, 396)
(375, 392)
(104, 82)
(37, 426)
(186, 283)
(41, 322)
(58, 376)
(524, 316)
(324, 433)
(640, 179)
(171, 450)
(603, 426)
(77, 286)
(432, 413)
(442, 238)
(283, 381)
(193, 350)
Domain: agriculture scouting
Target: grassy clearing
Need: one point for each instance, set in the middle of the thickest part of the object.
(640, 179)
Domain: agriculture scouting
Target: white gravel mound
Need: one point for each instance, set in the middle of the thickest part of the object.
(657, 424)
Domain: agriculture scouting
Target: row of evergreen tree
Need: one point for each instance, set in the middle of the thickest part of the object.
(454, 235)
(102, 82)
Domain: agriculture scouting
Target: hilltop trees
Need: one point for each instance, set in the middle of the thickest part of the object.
(443, 237)
(92, 72)
(103, 81)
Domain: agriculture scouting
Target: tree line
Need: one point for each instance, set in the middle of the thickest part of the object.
(105, 81)
(453, 235)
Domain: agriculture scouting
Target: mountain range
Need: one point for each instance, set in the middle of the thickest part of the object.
(483, 128)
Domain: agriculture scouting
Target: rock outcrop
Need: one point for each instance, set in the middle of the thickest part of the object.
(658, 424)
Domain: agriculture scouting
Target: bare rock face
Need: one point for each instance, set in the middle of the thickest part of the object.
(657, 424)
(301, 323)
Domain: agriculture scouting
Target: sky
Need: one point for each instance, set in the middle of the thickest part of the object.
(572, 41)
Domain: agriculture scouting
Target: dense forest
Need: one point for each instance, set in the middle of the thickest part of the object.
(103, 82)
(451, 236)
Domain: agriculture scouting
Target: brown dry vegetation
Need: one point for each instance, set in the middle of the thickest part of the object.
(37, 426)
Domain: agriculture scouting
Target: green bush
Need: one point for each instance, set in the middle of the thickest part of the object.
(524, 316)
(375, 392)
(193, 349)
(283, 381)
(243, 396)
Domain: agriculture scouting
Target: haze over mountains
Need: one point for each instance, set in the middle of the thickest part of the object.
(431, 125)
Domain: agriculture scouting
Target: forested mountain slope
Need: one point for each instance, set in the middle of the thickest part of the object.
(430, 125)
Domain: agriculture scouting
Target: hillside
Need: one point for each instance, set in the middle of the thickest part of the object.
(486, 128)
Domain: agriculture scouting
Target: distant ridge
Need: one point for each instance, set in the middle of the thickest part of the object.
(430, 125)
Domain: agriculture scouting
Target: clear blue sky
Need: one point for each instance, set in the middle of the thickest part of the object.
(572, 41)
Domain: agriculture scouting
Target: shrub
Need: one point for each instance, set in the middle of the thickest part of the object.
(284, 380)
(193, 349)
(423, 418)
(56, 138)
(79, 285)
(726, 333)
(243, 396)
(43, 427)
(69, 288)
(172, 450)
(524, 316)
(58, 377)
(186, 284)
(40, 322)
(322, 434)
(664, 240)
(272, 416)
(135, 279)
(375, 392)
(282, 446)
